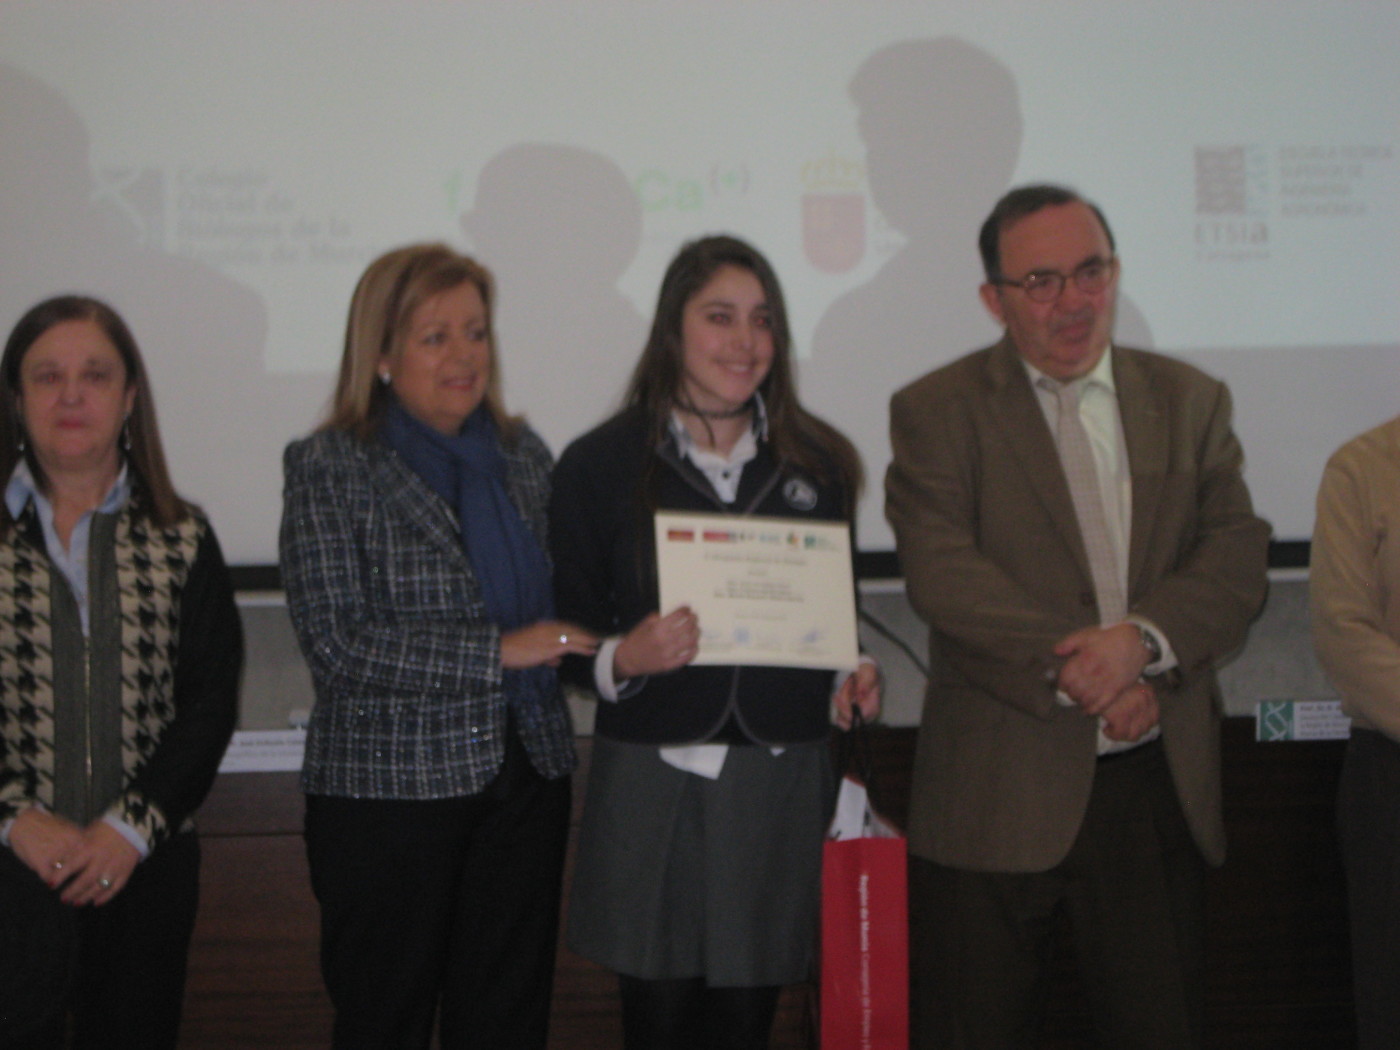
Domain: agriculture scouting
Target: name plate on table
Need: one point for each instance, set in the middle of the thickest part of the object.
(1300, 720)
(778, 592)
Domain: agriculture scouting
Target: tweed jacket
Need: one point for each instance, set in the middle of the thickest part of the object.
(1354, 581)
(406, 664)
(994, 562)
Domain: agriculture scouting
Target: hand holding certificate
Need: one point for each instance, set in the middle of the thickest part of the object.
(772, 591)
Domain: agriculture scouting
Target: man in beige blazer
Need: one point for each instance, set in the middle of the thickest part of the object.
(1354, 592)
(1068, 759)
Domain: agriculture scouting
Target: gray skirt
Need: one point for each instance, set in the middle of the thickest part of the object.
(682, 876)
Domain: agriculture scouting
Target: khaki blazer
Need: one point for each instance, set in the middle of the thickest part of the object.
(994, 563)
(1355, 577)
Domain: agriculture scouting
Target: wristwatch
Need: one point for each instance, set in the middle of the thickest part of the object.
(1150, 643)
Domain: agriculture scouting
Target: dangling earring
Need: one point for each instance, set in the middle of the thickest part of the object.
(384, 378)
(22, 445)
(126, 434)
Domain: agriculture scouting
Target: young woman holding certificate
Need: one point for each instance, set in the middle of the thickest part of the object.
(700, 852)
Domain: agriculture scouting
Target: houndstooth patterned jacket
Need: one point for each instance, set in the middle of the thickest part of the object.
(407, 667)
(173, 645)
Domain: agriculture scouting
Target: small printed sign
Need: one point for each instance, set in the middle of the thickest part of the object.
(1300, 720)
(264, 751)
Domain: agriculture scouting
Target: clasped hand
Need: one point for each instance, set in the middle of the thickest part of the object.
(88, 865)
(1102, 674)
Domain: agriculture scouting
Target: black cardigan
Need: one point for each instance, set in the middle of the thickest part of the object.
(605, 579)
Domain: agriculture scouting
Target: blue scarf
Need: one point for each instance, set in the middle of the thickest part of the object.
(468, 470)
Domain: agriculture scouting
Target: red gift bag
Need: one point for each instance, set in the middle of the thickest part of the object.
(865, 929)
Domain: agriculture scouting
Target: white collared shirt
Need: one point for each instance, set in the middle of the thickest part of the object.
(722, 470)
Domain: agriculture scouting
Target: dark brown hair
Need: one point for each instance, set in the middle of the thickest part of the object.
(155, 495)
(1017, 204)
(798, 437)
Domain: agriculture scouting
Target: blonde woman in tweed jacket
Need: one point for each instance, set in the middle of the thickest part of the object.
(439, 750)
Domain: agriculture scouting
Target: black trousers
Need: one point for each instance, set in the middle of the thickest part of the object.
(447, 907)
(1368, 823)
(118, 970)
(1132, 888)
(685, 1014)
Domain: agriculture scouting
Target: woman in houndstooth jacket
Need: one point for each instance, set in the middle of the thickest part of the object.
(120, 652)
(439, 751)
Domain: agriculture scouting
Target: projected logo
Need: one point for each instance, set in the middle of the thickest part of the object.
(664, 191)
(137, 195)
(1231, 202)
(1222, 181)
(833, 213)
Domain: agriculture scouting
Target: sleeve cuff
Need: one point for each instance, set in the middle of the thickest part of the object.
(129, 833)
(15, 808)
(1167, 661)
(609, 688)
(134, 814)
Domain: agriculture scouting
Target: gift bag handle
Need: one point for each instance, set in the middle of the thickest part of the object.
(854, 753)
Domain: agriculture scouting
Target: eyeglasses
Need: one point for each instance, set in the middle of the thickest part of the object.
(1045, 286)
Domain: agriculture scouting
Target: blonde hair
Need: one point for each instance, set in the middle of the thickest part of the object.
(388, 293)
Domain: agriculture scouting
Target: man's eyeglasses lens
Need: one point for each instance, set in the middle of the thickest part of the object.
(1046, 287)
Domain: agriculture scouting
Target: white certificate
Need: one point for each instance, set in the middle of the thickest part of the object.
(771, 591)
